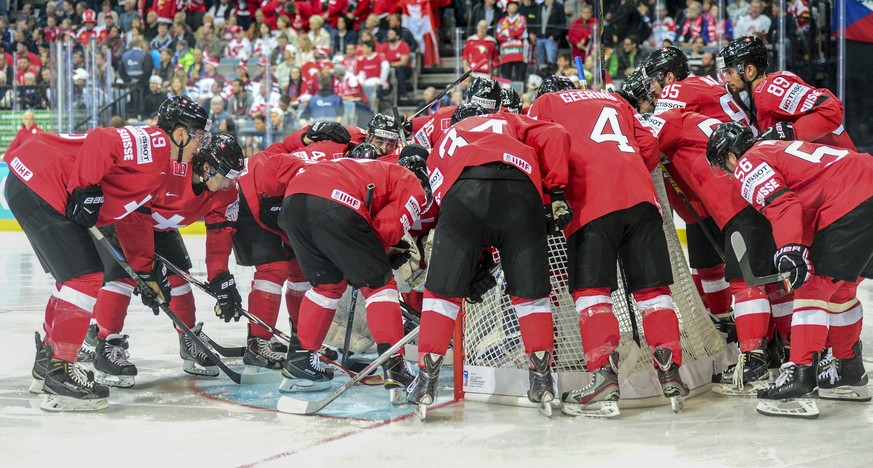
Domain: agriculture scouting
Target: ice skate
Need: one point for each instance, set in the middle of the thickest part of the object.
(542, 387)
(785, 396)
(843, 379)
(726, 327)
(40, 364)
(399, 375)
(422, 392)
(746, 377)
(194, 359)
(260, 353)
(671, 383)
(599, 398)
(303, 371)
(87, 353)
(111, 364)
(69, 387)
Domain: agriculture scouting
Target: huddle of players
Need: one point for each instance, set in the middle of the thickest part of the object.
(348, 221)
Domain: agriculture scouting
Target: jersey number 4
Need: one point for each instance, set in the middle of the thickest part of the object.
(607, 129)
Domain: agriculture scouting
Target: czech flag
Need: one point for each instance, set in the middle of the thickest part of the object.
(859, 20)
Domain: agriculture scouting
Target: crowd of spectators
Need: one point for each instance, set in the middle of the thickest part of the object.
(272, 66)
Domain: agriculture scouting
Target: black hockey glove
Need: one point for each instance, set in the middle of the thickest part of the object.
(779, 131)
(333, 131)
(158, 286)
(269, 212)
(84, 206)
(223, 287)
(414, 149)
(558, 214)
(399, 254)
(794, 259)
(483, 280)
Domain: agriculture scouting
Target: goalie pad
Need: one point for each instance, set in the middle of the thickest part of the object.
(410, 275)
(361, 340)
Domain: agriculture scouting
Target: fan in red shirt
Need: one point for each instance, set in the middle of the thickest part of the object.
(787, 108)
(348, 221)
(90, 29)
(488, 173)
(810, 191)
(28, 129)
(65, 184)
(624, 221)
(683, 137)
(205, 187)
(479, 47)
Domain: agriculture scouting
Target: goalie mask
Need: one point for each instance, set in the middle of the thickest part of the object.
(727, 138)
(486, 93)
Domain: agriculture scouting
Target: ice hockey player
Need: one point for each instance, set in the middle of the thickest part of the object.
(203, 187)
(346, 220)
(814, 192)
(429, 129)
(510, 101)
(683, 137)
(321, 140)
(786, 108)
(622, 222)
(65, 184)
(480, 167)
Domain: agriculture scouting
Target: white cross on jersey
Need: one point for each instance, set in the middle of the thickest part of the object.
(132, 206)
(167, 223)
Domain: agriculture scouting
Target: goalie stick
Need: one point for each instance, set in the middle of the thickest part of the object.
(449, 88)
(292, 405)
(739, 246)
(119, 257)
(232, 352)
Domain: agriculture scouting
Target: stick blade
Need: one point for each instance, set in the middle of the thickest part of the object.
(291, 405)
(738, 244)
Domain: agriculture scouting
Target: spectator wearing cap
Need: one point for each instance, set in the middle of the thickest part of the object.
(326, 105)
(343, 34)
(164, 38)
(239, 47)
(277, 123)
(217, 111)
(240, 101)
(319, 36)
(205, 82)
(397, 53)
(263, 69)
(372, 71)
(28, 129)
(209, 42)
(89, 28)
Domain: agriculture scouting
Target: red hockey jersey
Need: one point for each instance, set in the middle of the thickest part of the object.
(704, 95)
(539, 149)
(611, 155)
(398, 198)
(799, 185)
(177, 206)
(817, 115)
(430, 128)
(477, 49)
(267, 175)
(318, 150)
(683, 137)
(128, 163)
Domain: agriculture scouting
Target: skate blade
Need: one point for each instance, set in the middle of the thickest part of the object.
(301, 385)
(546, 409)
(397, 396)
(598, 410)
(57, 403)
(119, 381)
(796, 408)
(191, 367)
(36, 386)
(420, 411)
(677, 403)
(749, 390)
(845, 393)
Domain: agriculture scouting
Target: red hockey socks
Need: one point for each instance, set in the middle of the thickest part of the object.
(660, 323)
(316, 313)
(716, 290)
(437, 323)
(265, 298)
(111, 307)
(72, 314)
(295, 287)
(383, 313)
(597, 325)
(751, 314)
(182, 301)
(845, 319)
(535, 322)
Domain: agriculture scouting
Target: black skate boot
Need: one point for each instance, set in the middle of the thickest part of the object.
(726, 327)
(303, 371)
(87, 353)
(671, 383)
(422, 392)
(542, 387)
(398, 375)
(784, 397)
(40, 364)
(598, 398)
(843, 379)
(113, 368)
(746, 377)
(69, 387)
(194, 359)
(260, 353)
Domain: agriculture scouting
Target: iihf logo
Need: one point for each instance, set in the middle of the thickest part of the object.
(466, 377)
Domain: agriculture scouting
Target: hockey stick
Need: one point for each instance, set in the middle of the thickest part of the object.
(632, 315)
(231, 352)
(400, 130)
(580, 70)
(602, 70)
(291, 405)
(119, 257)
(739, 246)
(450, 87)
(690, 208)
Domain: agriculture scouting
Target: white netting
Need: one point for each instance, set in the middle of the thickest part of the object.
(492, 338)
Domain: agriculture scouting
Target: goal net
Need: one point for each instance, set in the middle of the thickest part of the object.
(492, 354)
